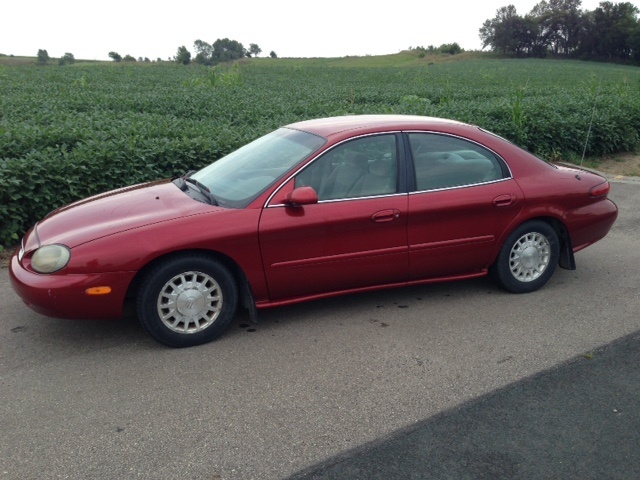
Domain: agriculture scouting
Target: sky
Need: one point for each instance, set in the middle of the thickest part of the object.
(329, 28)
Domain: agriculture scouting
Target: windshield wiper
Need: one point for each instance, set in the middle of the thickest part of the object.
(202, 188)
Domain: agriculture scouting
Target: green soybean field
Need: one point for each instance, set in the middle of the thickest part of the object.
(73, 131)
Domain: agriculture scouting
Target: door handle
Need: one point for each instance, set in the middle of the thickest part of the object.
(385, 216)
(504, 200)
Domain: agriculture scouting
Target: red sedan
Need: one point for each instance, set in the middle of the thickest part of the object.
(314, 209)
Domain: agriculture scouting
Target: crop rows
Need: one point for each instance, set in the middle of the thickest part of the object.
(69, 132)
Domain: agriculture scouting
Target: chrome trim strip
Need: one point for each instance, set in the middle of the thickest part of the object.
(337, 200)
(340, 257)
(431, 132)
(451, 243)
(468, 140)
(35, 232)
(461, 186)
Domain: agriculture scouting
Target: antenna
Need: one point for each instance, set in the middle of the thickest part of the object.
(593, 112)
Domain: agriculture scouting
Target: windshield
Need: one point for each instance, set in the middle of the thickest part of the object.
(236, 179)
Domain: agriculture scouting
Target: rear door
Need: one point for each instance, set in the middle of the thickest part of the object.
(464, 198)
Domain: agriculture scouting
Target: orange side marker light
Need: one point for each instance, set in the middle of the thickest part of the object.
(98, 291)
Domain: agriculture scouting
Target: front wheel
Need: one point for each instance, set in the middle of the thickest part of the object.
(187, 300)
(528, 258)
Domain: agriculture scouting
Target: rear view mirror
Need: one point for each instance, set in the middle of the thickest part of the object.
(302, 196)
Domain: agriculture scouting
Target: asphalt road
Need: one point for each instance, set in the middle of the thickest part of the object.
(327, 389)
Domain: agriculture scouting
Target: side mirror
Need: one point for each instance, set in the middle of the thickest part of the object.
(302, 196)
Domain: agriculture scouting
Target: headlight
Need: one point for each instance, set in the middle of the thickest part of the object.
(50, 258)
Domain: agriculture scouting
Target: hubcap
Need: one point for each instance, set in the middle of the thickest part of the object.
(189, 302)
(529, 257)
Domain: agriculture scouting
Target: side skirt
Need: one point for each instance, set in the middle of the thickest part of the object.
(305, 298)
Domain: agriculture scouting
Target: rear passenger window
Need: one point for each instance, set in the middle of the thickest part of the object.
(442, 161)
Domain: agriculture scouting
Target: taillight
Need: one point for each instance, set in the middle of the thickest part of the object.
(600, 190)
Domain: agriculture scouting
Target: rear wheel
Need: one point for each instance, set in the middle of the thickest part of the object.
(528, 258)
(187, 300)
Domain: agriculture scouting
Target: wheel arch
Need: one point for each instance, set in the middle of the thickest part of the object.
(566, 259)
(240, 278)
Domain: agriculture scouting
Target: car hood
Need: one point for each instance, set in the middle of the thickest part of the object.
(117, 211)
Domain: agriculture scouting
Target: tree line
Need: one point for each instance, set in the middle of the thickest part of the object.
(220, 51)
(450, 48)
(611, 32)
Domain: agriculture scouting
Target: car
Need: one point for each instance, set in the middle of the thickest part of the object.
(315, 209)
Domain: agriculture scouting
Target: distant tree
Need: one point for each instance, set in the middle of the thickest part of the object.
(498, 32)
(183, 56)
(254, 49)
(560, 22)
(509, 33)
(115, 56)
(226, 50)
(222, 50)
(204, 52)
(450, 48)
(273, 54)
(66, 59)
(527, 40)
(129, 58)
(146, 59)
(611, 32)
(43, 56)
(159, 59)
(634, 41)
(616, 28)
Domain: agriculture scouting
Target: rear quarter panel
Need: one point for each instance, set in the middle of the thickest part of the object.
(554, 192)
(563, 194)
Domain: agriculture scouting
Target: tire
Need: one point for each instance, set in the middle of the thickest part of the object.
(528, 258)
(187, 300)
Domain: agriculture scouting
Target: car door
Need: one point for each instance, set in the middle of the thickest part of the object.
(464, 198)
(354, 236)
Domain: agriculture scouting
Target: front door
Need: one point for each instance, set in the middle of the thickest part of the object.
(354, 237)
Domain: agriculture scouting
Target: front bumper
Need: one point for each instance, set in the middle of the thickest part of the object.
(64, 296)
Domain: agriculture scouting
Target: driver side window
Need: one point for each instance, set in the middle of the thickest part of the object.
(359, 168)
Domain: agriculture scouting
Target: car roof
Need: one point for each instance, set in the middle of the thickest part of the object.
(326, 127)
